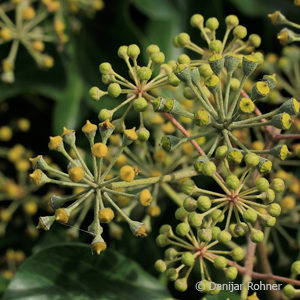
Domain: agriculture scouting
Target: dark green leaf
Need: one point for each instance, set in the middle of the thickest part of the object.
(71, 271)
(222, 296)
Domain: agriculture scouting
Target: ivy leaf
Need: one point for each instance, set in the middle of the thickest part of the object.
(71, 271)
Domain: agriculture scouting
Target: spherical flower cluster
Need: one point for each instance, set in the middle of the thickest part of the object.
(100, 187)
(24, 23)
(225, 111)
(18, 194)
(194, 242)
(143, 79)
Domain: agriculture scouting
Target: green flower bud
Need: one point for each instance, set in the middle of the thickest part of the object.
(271, 80)
(264, 166)
(187, 259)
(262, 184)
(231, 230)
(212, 23)
(184, 59)
(170, 253)
(240, 32)
(170, 142)
(203, 203)
(122, 52)
(234, 84)
(188, 187)
(199, 163)
(105, 114)
(172, 274)
(165, 229)
(241, 229)
(119, 126)
(152, 49)
(215, 232)
(209, 168)
(256, 236)
(96, 93)
(205, 234)
(216, 46)
(182, 229)
(202, 118)
(181, 214)
(237, 254)
(231, 63)
(183, 39)
(216, 63)
(274, 209)
(140, 104)
(254, 40)
(205, 70)
(289, 291)
(268, 221)
(173, 79)
(250, 215)
(295, 268)
(158, 58)
(221, 151)
(212, 83)
(286, 36)
(290, 107)
(188, 93)
(251, 159)
(260, 90)
(114, 90)
(165, 69)
(268, 196)
(282, 121)
(231, 273)
(189, 204)
(231, 21)
(133, 51)
(249, 64)
(144, 73)
(224, 237)
(204, 286)
(197, 21)
(235, 156)
(195, 219)
(181, 284)
(162, 240)
(106, 69)
(143, 134)
(160, 266)
(232, 182)
(280, 151)
(217, 214)
(220, 262)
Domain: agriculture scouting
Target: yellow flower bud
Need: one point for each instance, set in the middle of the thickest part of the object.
(55, 142)
(287, 203)
(106, 215)
(36, 176)
(61, 215)
(76, 174)
(160, 156)
(22, 165)
(98, 247)
(89, 127)
(24, 124)
(5, 133)
(127, 173)
(131, 134)
(246, 105)
(258, 145)
(28, 13)
(38, 46)
(153, 211)
(99, 150)
(30, 208)
(121, 160)
(15, 153)
(5, 215)
(155, 173)
(187, 148)
(145, 197)
(5, 34)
